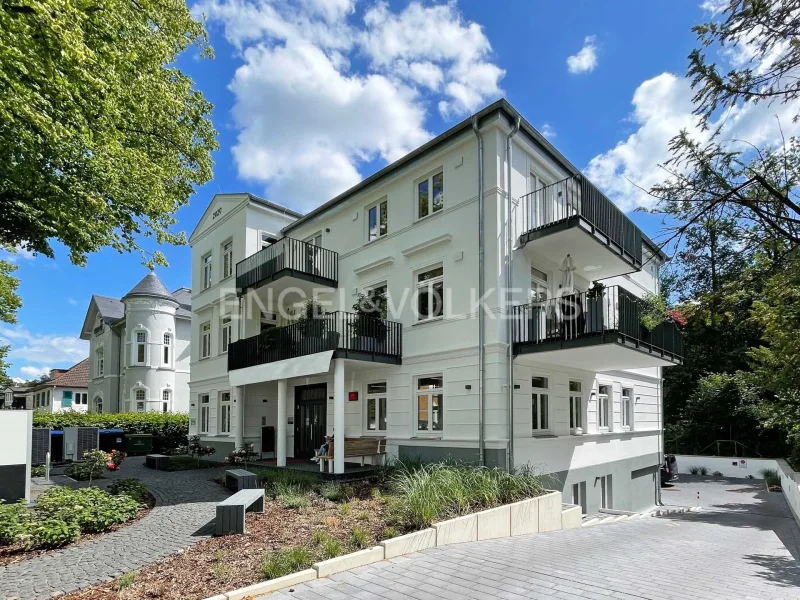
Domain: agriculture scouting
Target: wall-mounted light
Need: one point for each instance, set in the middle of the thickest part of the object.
(468, 387)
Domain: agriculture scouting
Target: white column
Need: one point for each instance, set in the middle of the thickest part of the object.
(281, 432)
(338, 415)
(240, 402)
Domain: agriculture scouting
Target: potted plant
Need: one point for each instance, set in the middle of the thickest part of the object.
(369, 330)
(311, 324)
(595, 313)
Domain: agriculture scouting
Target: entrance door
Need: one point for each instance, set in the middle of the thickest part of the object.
(310, 412)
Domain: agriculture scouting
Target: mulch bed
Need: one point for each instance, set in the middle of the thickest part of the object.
(217, 565)
(18, 553)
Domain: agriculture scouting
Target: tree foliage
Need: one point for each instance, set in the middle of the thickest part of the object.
(102, 137)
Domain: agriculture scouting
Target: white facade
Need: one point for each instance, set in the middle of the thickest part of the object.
(139, 349)
(429, 405)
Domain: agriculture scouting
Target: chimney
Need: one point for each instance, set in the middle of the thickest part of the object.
(57, 373)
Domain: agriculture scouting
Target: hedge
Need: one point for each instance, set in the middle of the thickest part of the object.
(169, 430)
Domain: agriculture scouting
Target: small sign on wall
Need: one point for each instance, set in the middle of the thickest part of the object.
(352, 396)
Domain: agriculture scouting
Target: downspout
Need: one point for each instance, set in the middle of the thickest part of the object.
(509, 284)
(481, 288)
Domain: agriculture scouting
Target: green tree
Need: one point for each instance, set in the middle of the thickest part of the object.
(102, 137)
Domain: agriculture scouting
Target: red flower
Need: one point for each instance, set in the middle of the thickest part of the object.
(678, 317)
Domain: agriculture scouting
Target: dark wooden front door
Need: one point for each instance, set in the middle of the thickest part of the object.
(310, 412)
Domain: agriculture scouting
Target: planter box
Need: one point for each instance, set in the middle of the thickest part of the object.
(412, 542)
(349, 561)
(550, 512)
(456, 531)
(494, 523)
(266, 587)
(524, 517)
(572, 517)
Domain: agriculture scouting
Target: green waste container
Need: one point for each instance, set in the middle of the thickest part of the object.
(139, 443)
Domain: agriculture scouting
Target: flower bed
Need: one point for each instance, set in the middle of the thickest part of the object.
(306, 521)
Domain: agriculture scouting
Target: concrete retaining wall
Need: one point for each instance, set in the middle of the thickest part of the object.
(729, 466)
(790, 483)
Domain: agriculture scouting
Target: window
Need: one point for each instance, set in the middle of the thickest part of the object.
(430, 195)
(540, 404)
(430, 403)
(205, 410)
(605, 491)
(66, 399)
(267, 240)
(47, 399)
(627, 408)
(81, 398)
(98, 404)
(141, 347)
(376, 406)
(225, 334)
(602, 406)
(579, 495)
(575, 406)
(430, 294)
(167, 345)
(225, 412)
(227, 259)
(99, 365)
(166, 400)
(539, 285)
(376, 301)
(377, 221)
(206, 271)
(205, 340)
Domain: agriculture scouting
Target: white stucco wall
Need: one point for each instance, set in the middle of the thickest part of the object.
(729, 466)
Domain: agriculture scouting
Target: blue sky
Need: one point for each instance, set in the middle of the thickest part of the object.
(341, 87)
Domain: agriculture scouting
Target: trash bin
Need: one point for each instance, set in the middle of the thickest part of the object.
(139, 443)
(112, 439)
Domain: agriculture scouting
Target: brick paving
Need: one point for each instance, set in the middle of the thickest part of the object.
(739, 546)
(183, 515)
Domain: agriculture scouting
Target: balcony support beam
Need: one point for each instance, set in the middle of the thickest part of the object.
(338, 415)
(281, 445)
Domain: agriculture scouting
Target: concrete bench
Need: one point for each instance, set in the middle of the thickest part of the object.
(230, 512)
(355, 447)
(239, 479)
(159, 462)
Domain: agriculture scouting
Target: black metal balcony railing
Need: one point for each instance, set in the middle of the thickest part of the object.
(347, 334)
(582, 315)
(290, 257)
(577, 197)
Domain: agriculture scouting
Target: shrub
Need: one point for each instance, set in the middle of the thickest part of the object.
(91, 509)
(132, 488)
(330, 547)
(359, 537)
(38, 471)
(345, 509)
(333, 492)
(93, 465)
(126, 579)
(197, 450)
(771, 476)
(703, 471)
(292, 497)
(717, 474)
(390, 532)
(51, 532)
(243, 455)
(14, 521)
(284, 562)
(694, 470)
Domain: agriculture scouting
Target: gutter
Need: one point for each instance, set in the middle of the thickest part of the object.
(481, 288)
(509, 284)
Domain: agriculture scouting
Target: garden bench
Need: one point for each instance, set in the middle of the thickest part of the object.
(355, 447)
(239, 479)
(230, 512)
(159, 462)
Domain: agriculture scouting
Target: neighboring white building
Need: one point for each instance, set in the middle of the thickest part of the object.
(67, 389)
(139, 349)
(586, 388)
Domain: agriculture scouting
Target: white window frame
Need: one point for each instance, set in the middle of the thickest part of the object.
(206, 270)
(375, 397)
(225, 332)
(205, 340)
(166, 400)
(429, 179)
(540, 287)
(626, 408)
(97, 403)
(579, 495)
(430, 393)
(99, 362)
(606, 485)
(166, 352)
(577, 405)
(140, 344)
(205, 413)
(224, 426)
(604, 416)
(378, 207)
(137, 400)
(429, 285)
(541, 397)
(227, 258)
(266, 239)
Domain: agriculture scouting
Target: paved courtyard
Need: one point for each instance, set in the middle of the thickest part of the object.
(183, 515)
(739, 546)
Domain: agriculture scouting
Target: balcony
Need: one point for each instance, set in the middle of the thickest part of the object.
(573, 217)
(289, 263)
(594, 332)
(348, 335)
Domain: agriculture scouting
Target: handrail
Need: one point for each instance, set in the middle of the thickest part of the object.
(303, 258)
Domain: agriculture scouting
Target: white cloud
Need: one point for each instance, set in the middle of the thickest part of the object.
(72, 301)
(42, 349)
(547, 131)
(715, 6)
(301, 108)
(18, 255)
(585, 60)
(34, 372)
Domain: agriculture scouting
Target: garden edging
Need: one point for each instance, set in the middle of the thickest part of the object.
(539, 514)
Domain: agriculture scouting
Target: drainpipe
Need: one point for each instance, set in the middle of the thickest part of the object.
(481, 288)
(509, 283)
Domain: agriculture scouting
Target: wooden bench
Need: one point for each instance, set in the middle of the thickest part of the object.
(159, 462)
(230, 512)
(239, 479)
(355, 447)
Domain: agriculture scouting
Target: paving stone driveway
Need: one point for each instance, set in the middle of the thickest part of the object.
(185, 507)
(738, 547)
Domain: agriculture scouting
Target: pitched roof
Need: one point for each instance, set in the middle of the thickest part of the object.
(184, 298)
(77, 376)
(150, 287)
(110, 309)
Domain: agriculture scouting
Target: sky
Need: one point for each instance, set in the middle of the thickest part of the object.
(312, 96)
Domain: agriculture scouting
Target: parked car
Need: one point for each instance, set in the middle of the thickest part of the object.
(669, 469)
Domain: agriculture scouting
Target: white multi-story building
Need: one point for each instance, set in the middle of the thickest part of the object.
(139, 349)
(67, 390)
(555, 371)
